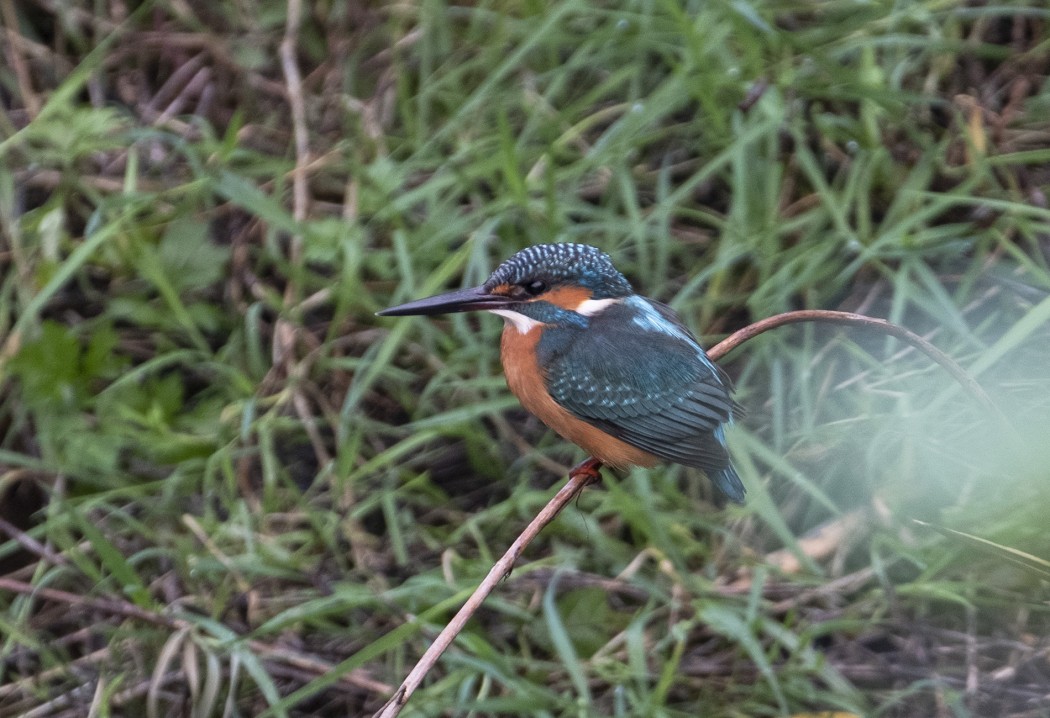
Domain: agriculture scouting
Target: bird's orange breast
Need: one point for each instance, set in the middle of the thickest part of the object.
(526, 380)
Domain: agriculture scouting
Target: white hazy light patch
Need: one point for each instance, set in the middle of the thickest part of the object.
(521, 322)
(590, 307)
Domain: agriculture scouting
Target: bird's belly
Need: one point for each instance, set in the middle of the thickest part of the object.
(526, 381)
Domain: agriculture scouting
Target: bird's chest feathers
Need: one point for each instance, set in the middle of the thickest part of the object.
(524, 355)
(524, 375)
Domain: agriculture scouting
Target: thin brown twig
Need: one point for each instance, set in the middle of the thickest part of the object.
(357, 678)
(588, 472)
(583, 474)
(294, 80)
(284, 341)
(300, 199)
(847, 318)
(110, 606)
(18, 63)
(36, 681)
(30, 544)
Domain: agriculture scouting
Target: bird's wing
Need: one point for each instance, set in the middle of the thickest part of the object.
(670, 315)
(641, 376)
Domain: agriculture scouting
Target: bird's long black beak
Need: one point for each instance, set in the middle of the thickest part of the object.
(462, 300)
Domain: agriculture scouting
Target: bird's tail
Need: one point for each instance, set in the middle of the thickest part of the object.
(728, 484)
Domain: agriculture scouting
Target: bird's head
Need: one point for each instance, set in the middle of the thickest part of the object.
(543, 284)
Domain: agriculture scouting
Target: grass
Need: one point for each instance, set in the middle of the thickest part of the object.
(253, 497)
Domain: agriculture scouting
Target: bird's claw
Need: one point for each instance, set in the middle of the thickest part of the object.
(589, 470)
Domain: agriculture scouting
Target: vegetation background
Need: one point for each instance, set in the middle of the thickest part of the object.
(229, 489)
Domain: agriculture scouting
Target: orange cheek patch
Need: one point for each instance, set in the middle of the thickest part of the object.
(566, 297)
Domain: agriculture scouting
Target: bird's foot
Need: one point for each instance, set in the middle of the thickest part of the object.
(590, 470)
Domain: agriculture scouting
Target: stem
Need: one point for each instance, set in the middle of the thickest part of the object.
(583, 474)
(832, 317)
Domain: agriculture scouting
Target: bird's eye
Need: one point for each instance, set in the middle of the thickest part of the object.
(536, 287)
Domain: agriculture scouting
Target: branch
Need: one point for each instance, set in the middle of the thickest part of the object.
(881, 325)
(584, 474)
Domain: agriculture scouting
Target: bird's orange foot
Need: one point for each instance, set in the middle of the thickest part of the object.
(590, 470)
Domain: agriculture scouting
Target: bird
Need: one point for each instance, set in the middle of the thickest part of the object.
(614, 372)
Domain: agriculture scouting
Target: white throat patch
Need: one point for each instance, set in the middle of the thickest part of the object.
(521, 322)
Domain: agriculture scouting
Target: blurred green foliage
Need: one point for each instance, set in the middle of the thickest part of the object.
(295, 495)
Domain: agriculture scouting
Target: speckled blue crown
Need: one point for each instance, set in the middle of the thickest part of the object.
(578, 264)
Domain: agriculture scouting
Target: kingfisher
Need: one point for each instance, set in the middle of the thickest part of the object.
(615, 373)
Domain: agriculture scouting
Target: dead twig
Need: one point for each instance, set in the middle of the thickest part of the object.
(825, 316)
(294, 80)
(356, 678)
(581, 476)
(30, 98)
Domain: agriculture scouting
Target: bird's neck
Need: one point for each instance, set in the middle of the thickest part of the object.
(527, 316)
